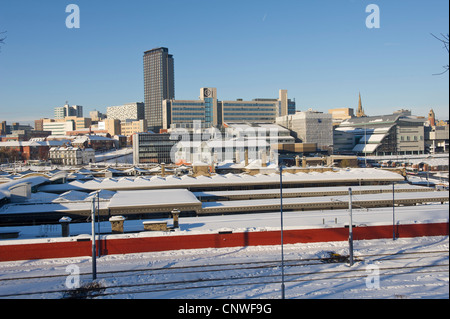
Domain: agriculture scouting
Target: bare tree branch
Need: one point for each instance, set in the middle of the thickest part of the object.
(2, 39)
(444, 40)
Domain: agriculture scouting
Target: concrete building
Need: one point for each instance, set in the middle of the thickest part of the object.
(159, 85)
(310, 127)
(67, 110)
(112, 126)
(129, 128)
(130, 111)
(437, 139)
(79, 122)
(58, 127)
(341, 114)
(96, 116)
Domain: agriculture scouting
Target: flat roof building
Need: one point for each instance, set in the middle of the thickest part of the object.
(153, 148)
(210, 111)
(310, 127)
(130, 111)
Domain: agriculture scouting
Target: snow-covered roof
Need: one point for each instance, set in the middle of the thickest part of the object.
(305, 191)
(33, 180)
(152, 198)
(369, 148)
(261, 203)
(344, 175)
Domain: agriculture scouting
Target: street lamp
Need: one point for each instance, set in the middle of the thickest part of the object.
(281, 211)
(94, 261)
(350, 228)
(95, 198)
(393, 211)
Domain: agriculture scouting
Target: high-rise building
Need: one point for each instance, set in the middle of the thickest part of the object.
(159, 84)
(67, 110)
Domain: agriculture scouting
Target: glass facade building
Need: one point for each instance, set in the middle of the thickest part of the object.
(212, 112)
(159, 84)
(153, 148)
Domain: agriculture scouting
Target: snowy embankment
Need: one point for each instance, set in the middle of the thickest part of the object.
(110, 155)
(383, 268)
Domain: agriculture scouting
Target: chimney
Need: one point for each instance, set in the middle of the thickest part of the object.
(297, 161)
(163, 169)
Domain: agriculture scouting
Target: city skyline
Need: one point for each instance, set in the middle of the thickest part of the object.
(322, 53)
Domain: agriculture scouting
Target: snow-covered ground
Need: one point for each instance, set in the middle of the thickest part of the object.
(115, 156)
(400, 269)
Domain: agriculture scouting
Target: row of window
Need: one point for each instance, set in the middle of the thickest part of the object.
(181, 104)
(187, 109)
(247, 104)
(411, 138)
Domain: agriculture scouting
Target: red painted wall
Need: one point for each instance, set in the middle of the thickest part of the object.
(148, 244)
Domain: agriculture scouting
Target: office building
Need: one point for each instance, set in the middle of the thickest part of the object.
(96, 116)
(67, 110)
(183, 113)
(58, 127)
(159, 85)
(212, 112)
(153, 148)
(130, 111)
(394, 134)
(129, 128)
(310, 127)
(79, 122)
(112, 126)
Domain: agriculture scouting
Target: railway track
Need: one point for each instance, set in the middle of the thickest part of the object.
(150, 280)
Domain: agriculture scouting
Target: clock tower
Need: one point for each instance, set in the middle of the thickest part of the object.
(209, 96)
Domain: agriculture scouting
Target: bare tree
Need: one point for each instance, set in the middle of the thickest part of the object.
(444, 39)
(2, 39)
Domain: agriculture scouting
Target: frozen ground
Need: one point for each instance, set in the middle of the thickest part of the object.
(383, 269)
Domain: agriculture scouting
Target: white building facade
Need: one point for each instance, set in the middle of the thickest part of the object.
(71, 155)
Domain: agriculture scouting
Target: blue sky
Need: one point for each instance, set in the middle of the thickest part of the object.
(320, 51)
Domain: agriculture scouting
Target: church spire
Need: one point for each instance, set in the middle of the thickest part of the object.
(360, 112)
